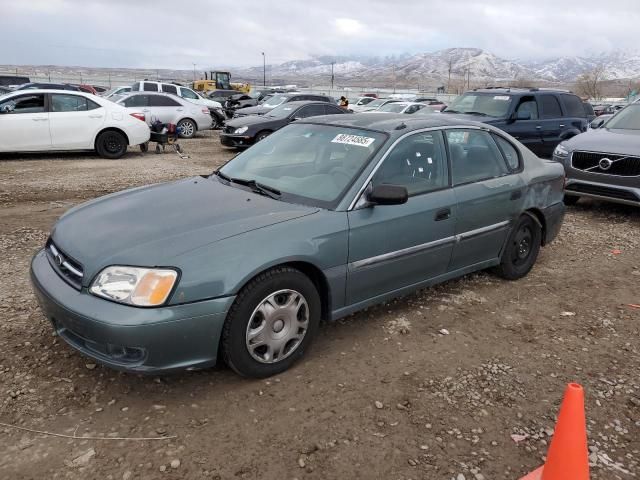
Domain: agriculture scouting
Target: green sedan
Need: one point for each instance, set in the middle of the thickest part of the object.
(323, 218)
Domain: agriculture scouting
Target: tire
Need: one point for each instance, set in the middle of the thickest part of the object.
(111, 144)
(571, 199)
(144, 147)
(189, 128)
(522, 249)
(292, 298)
(215, 123)
(262, 135)
(158, 149)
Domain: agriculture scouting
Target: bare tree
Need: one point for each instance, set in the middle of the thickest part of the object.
(589, 83)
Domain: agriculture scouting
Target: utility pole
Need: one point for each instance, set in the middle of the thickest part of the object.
(264, 70)
(332, 77)
(394, 78)
(194, 71)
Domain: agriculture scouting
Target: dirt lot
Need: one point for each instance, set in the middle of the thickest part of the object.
(431, 386)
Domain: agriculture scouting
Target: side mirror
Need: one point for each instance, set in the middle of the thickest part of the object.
(388, 195)
(523, 116)
(597, 123)
(293, 119)
(6, 109)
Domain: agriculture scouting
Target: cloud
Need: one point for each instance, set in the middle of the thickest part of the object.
(216, 34)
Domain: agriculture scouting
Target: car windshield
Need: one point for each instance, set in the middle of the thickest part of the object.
(306, 163)
(281, 111)
(275, 101)
(393, 107)
(627, 119)
(365, 101)
(477, 103)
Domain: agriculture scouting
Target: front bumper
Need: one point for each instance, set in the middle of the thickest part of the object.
(609, 192)
(144, 340)
(237, 141)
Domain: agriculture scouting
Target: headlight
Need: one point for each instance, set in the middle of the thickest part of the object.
(143, 287)
(560, 151)
(241, 130)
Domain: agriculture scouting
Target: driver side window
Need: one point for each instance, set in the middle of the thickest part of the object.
(528, 105)
(417, 162)
(25, 104)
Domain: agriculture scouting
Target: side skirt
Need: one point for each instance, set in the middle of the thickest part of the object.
(343, 312)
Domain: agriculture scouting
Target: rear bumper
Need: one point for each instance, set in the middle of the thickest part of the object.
(152, 340)
(553, 218)
(237, 141)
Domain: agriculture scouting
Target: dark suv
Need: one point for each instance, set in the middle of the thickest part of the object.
(279, 99)
(538, 118)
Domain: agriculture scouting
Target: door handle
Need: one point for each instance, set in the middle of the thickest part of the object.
(443, 214)
(95, 116)
(516, 194)
(40, 119)
(561, 125)
(180, 109)
(145, 109)
(538, 127)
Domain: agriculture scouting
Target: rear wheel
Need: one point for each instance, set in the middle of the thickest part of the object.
(571, 199)
(271, 323)
(522, 249)
(111, 144)
(188, 128)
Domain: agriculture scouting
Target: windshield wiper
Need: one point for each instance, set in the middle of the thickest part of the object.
(477, 113)
(257, 187)
(450, 111)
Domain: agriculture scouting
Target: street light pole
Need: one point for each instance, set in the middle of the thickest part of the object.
(332, 64)
(264, 70)
(194, 72)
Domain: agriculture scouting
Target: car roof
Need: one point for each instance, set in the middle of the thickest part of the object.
(299, 103)
(390, 123)
(517, 90)
(31, 91)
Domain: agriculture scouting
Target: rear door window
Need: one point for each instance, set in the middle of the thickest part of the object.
(550, 106)
(474, 156)
(166, 88)
(137, 101)
(150, 87)
(573, 106)
(68, 103)
(162, 101)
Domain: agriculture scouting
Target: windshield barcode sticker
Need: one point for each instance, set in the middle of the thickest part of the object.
(353, 140)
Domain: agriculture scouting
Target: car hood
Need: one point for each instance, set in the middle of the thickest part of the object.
(259, 110)
(249, 120)
(151, 226)
(473, 118)
(625, 142)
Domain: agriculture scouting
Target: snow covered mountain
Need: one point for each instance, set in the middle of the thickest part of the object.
(437, 67)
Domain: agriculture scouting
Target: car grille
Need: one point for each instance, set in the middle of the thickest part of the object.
(70, 270)
(602, 191)
(621, 165)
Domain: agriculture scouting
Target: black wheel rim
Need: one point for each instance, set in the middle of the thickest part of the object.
(522, 245)
(112, 143)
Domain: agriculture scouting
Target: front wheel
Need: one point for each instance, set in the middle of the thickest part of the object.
(522, 249)
(187, 128)
(111, 144)
(262, 135)
(271, 323)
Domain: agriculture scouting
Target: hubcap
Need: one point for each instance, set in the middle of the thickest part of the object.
(187, 128)
(522, 243)
(112, 144)
(277, 326)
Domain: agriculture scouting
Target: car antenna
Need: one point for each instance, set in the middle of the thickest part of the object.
(402, 126)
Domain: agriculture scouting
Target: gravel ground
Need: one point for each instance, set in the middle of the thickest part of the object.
(460, 381)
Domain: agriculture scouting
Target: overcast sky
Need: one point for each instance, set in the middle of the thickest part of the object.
(175, 34)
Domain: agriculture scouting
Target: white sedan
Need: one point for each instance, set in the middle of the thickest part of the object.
(401, 107)
(47, 120)
(167, 108)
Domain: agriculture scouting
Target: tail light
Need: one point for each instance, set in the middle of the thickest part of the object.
(139, 116)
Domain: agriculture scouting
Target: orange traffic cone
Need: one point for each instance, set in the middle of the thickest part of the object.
(568, 456)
